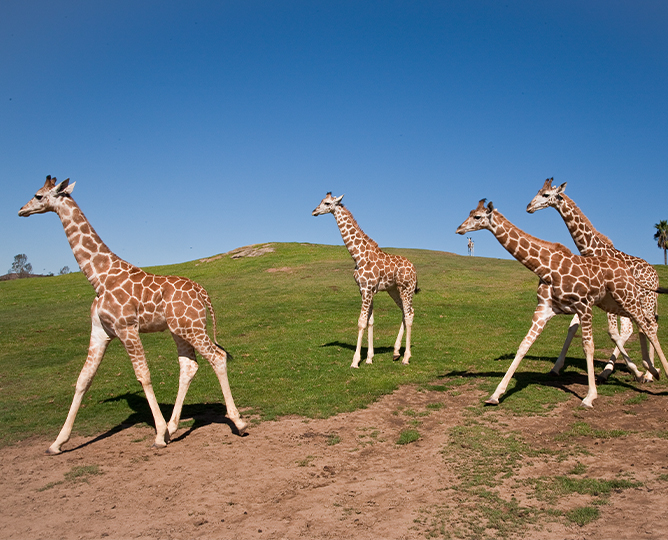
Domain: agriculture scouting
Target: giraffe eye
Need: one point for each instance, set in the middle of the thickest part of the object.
(477, 217)
(38, 197)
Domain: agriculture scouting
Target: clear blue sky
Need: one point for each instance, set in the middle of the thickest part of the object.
(192, 128)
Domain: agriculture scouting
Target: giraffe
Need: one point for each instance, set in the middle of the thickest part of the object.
(375, 271)
(129, 301)
(589, 242)
(570, 284)
(470, 246)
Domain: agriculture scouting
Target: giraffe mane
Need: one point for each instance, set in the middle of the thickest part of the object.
(356, 225)
(598, 234)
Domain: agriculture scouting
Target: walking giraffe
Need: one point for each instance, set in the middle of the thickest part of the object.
(471, 246)
(570, 284)
(590, 242)
(375, 271)
(130, 301)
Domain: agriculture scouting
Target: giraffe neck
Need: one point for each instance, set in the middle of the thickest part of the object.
(94, 258)
(532, 252)
(587, 239)
(353, 236)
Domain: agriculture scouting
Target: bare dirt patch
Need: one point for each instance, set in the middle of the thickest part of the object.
(345, 477)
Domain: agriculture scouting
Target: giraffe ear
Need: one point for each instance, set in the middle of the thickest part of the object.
(490, 206)
(337, 200)
(561, 188)
(65, 188)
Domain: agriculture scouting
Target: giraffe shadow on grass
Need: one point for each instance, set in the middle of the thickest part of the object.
(203, 414)
(563, 382)
(364, 350)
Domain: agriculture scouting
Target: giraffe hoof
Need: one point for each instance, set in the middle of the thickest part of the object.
(396, 357)
(553, 373)
(354, 365)
(53, 451)
(159, 445)
(647, 378)
(586, 404)
(405, 362)
(492, 401)
(369, 361)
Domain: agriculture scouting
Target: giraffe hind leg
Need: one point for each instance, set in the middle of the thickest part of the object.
(130, 339)
(217, 357)
(404, 302)
(187, 370)
(572, 329)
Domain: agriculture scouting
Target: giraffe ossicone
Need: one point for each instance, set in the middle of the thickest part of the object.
(569, 284)
(590, 241)
(375, 271)
(130, 301)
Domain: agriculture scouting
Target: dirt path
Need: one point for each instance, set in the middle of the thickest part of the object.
(344, 477)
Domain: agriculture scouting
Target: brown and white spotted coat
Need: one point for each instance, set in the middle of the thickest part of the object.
(375, 271)
(130, 301)
(570, 284)
(590, 242)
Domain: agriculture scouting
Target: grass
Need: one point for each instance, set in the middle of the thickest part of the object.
(408, 436)
(292, 334)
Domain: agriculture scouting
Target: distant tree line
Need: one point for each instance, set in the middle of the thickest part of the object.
(22, 268)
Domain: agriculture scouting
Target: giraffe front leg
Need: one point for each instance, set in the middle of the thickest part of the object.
(187, 370)
(99, 341)
(541, 316)
(397, 342)
(559, 364)
(588, 346)
(369, 354)
(367, 299)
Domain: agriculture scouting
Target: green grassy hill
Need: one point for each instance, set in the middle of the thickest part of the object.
(289, 318)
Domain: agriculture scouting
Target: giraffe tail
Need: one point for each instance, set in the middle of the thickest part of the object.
(417, 289)
(209, 305)
(662, 290)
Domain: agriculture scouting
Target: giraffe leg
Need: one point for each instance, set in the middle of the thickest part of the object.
(187, 369)
(627, 330)
(369, 336)
(619, 342)
(367, 300)
(588, 346)
(541, 316)
(657, 347)
(647, 359)
(394, 294)
(559, 364)
(99, 341)
(217, 357)
(130, 339)
(408, 312)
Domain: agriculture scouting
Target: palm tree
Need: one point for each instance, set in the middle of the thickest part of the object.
(661, 237)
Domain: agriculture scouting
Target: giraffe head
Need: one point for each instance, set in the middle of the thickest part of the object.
(46, 199)
(479, 218)
(327, 205)
(548, 195)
